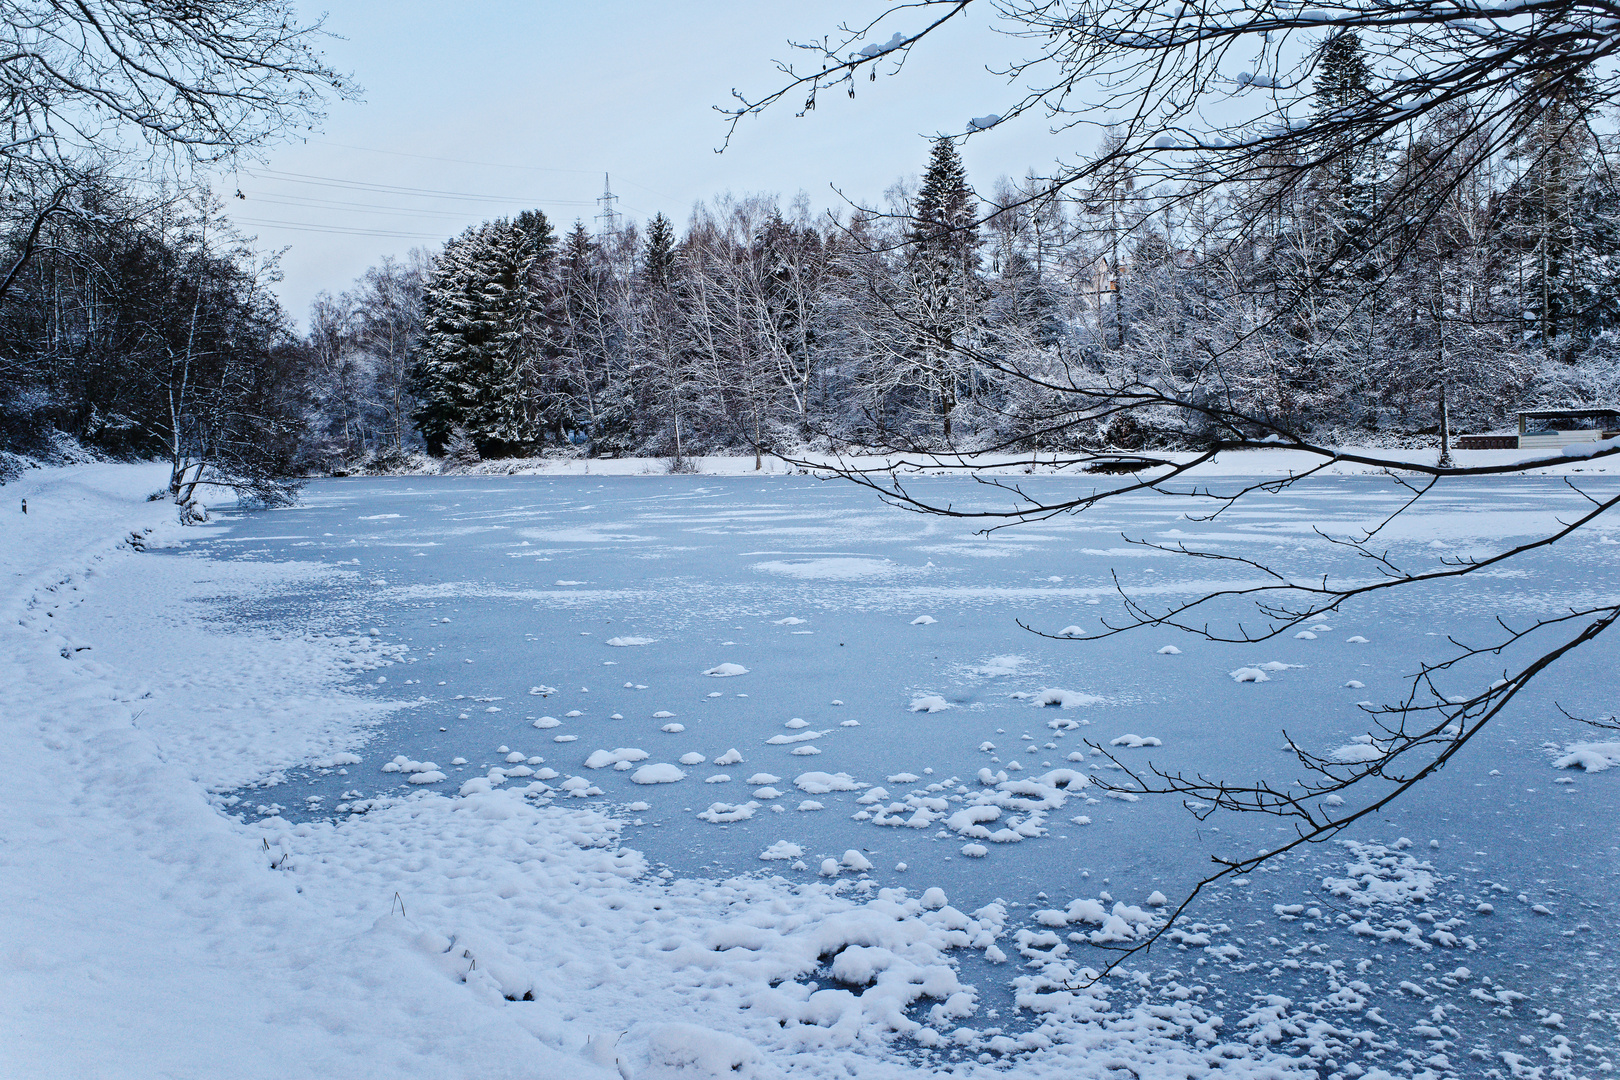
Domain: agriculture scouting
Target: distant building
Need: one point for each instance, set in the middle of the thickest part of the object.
(1550, 429)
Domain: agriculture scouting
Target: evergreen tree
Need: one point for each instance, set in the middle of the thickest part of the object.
(1563, 218)
(479, 358)
(942, 275)
(658, 256)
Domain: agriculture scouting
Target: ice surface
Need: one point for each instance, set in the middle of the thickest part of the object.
(488, 870)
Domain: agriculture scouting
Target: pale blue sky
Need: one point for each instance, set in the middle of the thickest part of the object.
(535, 101)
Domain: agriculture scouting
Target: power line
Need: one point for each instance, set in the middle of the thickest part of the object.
(489, 165)
(411, 192)
(340, 204)
(454, 161)
(336, 230)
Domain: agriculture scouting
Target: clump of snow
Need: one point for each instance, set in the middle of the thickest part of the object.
(924, 620)
(657, 774)
(627, 642)
(782, 850)
(805, 751)
(689, 1050)
(975, 851)
(763, 778)
(730, 757)
(1591, 756)
(673, 729)
(1304, 635)
(694, 758)
(820, 783)
(784, 740)
(930, 703)
(1071, 631)
(856, 861)
(1249, 674)
(810, 804)
(1362, 749)
(1169, 650)
(1135, 741)
(725, 813)
(1066, 699)
(1356, 640)
(725, 671)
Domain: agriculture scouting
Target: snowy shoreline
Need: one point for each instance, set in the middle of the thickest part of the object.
(482, 935)
(1258, 462)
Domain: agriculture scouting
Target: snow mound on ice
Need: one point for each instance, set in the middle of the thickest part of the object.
(820, 783)
(657, 774)
(1249, 674)
(625, 642)
(1593, 757)
(1135, 741)
(783, 740)
(724, 671)
(781, 850)
(924, 620)
(1357, 751)
(929, 703)
(1064, 699)
(603, 758)
(722, 813)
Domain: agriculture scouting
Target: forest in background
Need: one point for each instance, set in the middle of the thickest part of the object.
(142, 324)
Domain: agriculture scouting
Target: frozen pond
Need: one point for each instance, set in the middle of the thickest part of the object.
(812, 673)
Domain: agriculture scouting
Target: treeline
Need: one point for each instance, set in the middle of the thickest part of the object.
(1335, 295)
(1312, 297)
(143, 326)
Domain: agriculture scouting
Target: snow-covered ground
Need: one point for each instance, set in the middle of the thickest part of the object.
(694, 776)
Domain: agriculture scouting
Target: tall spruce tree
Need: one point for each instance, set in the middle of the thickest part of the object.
(478, 361)
(943, 277)
(658, 255)
(1563, 221)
